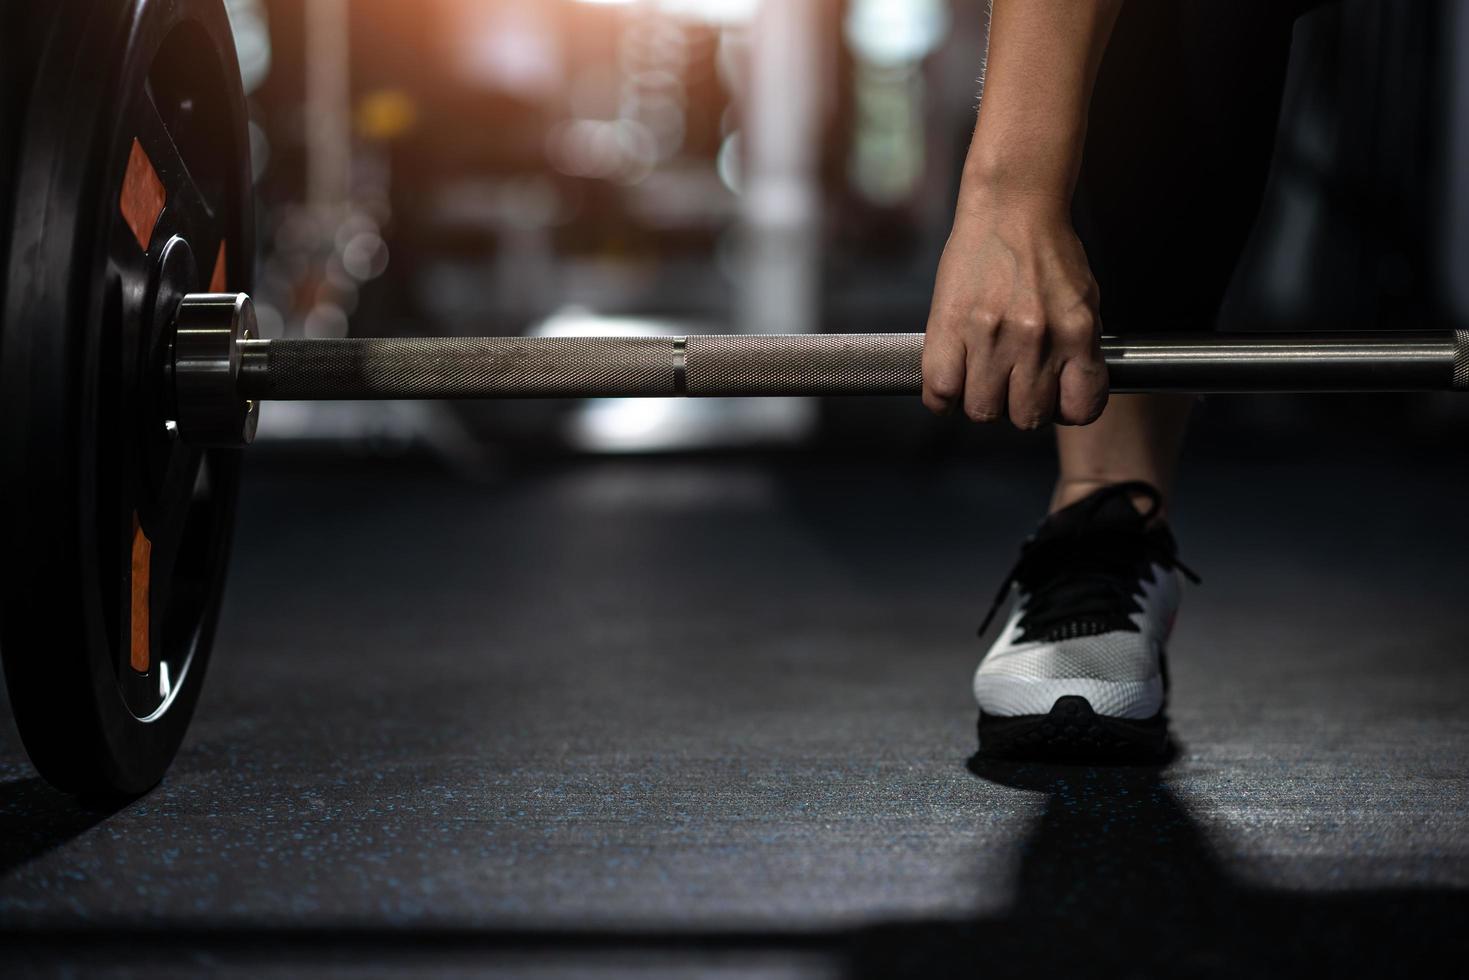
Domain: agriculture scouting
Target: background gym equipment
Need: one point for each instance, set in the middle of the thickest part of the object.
(131, 364)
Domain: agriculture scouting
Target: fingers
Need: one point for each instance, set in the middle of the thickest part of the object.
(960, 367)
(1081, 372)
(1027, 367)
(1083, 391)
(986, 381)
(1032, 397)
(943, 371)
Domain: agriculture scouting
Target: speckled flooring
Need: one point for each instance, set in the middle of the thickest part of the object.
(711, 718)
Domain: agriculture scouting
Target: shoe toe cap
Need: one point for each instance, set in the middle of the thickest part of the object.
(1118, 674)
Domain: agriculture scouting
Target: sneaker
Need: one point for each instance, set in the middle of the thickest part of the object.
(1079, 671)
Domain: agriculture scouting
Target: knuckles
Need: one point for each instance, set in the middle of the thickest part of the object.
(983, 319)
(1029, 326)
(1077, 325)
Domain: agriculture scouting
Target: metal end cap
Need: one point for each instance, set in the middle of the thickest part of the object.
(208, 329)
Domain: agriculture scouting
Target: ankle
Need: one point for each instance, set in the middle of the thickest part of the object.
(1069, 490)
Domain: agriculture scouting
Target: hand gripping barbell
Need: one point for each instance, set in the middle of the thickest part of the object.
(130, 371)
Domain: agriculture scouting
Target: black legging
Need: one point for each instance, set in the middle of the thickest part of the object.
(1183, 123)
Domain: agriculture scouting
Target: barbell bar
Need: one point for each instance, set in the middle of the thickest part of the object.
(815, 364)
(222, 370)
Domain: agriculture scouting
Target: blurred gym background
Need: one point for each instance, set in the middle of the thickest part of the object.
(641, 166)
(478, 700)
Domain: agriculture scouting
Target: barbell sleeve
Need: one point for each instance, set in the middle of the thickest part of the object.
(820, 364)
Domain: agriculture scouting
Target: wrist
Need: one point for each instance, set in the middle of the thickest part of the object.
(1002, 177)
(1015, 190)
(1018, 164)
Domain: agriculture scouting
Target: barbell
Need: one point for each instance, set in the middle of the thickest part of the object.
(222, 370)
(131, 371)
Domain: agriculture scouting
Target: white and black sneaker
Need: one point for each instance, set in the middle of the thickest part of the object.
(1079, 672)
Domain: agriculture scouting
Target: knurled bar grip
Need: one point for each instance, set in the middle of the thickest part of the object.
(567, 367)
(458, 367)
(804, 364)
(819, 364)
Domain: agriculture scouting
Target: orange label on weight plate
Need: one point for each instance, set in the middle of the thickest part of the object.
(142, 568)
(143, 195)
(219, 279)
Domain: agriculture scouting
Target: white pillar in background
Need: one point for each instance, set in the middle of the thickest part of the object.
(780, 205)
(328, 105)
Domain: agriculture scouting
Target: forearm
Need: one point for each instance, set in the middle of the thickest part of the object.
(1013, 327)
(1043, 61)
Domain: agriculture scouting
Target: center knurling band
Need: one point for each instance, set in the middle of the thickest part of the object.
(837, 364)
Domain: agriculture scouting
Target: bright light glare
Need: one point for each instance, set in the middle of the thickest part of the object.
(623, 424)
(728, 163)
(578, 321)
(624, 150)
(252, 40)
(709, 11)
(712, 11)
(896, 32)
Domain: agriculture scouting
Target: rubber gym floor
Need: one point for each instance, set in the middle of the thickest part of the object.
(710, 717)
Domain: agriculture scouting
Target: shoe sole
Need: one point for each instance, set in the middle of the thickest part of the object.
(1072, 732)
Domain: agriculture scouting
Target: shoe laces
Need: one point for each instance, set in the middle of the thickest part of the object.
(1084, 580)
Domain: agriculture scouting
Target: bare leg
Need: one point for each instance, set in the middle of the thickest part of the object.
(1138, 437)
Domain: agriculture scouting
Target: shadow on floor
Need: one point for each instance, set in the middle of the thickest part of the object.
(1118, 879)
(1115, 879)
(35, 819)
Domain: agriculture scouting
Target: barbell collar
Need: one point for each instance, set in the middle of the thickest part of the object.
(209, 407)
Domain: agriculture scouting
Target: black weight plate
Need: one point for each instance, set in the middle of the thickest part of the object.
(21, 27)
(131, 187)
